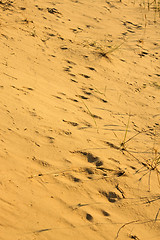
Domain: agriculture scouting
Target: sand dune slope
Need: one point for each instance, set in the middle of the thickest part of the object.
(80, 120)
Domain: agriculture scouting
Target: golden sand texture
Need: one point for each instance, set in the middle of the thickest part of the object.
(80, 120)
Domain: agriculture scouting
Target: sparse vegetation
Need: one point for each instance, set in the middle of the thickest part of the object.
(52, 156)
(151, 165)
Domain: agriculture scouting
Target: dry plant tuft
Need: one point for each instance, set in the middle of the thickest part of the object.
(104, 52)
(151, 5)
(150, 165)
(123, 146)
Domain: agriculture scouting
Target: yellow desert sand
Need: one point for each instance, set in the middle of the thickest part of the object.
(79, 120)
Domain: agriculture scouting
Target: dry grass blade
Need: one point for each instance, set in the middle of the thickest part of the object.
(123, 143)
(123, 227)
(104, 53)
(157, 215)
(92, 115)
(125, 135)
(151, 164)
(136, 222)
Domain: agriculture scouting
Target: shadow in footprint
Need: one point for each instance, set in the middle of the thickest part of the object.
(91, 68)
(89, 171)
(91, 158)
(111, 196)
(89, 217)
(81, 96)
(106, 214)
(84, 75)
(74, 124)
(75, 179)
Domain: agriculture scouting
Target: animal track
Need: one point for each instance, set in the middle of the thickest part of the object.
(84, 75)
(120, 173)
(56, 97)
(106, 214)
(41, 162)
(89, 217)
(75, 179)
(54, 11)
(71, 123)
(67, 69)
(81, 96)
(92, 159)
(99, 163)
(73, 80)
(89, 171)
(18, 89)
(51, 139)
(102, 99)
(133, 237)
(112, 145)
(96, 116)
(91, 68)
(111, 196)
(64, 48)
(70, 62)
(88, 93)
(72, 99)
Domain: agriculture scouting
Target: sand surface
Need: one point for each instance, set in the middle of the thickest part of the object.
(79, 120)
